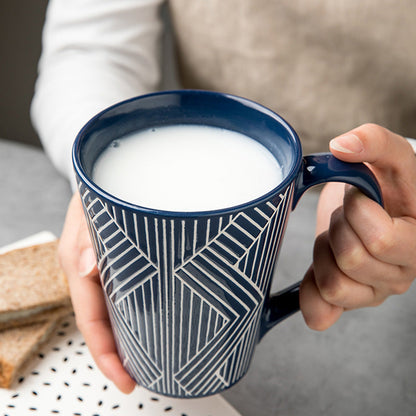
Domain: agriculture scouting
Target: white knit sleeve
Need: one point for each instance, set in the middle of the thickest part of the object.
(95, 53)
(412, 143)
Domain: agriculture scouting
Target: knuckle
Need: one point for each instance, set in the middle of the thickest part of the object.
(373, 133)
(332, 291)
(352, 259)
(381, 244)
(370, 129)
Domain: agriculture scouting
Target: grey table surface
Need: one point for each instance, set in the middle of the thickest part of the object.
(364, 365)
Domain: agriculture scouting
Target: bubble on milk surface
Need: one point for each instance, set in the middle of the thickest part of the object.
(115, 143)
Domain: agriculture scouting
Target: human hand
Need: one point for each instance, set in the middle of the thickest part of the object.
(363, 253)
(79, 264)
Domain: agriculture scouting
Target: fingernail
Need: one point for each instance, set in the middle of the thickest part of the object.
(87, 262)
(348, 143)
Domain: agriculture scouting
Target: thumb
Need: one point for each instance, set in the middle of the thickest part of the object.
(87, 265)
(87, 262)
(376, 145)
(389, 156)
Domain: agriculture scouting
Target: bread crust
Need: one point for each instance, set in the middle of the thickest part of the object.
(34, 296)
(18, 344)
(31, 281)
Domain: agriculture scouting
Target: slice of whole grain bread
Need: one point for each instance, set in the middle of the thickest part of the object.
(33, 318)
(31, 282)
(18, 344)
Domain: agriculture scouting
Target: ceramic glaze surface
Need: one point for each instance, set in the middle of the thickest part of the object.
(186, 296)
(188, 293)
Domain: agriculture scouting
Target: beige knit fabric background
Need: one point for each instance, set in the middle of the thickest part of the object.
(324, 65)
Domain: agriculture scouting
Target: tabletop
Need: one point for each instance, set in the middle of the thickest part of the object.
(364, 364)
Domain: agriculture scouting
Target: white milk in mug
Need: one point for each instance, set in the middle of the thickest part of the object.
(187, 168)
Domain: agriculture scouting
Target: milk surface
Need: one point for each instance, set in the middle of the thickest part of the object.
(187, 168)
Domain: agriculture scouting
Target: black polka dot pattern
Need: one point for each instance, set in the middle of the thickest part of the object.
(62, 379)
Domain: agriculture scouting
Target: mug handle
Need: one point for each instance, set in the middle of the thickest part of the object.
(317, 168)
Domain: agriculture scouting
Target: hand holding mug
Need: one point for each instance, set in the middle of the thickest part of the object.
(363, 253)
(239, 317)
(78, 260)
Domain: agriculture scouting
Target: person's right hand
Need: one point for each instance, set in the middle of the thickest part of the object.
(79, 264)
(363, 252)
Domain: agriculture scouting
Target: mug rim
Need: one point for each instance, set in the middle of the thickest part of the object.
(287, 180)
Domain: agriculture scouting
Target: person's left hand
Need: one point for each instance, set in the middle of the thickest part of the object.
(77, 259)
(363, 253)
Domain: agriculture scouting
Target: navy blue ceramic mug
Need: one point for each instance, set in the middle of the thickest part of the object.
(188, 294)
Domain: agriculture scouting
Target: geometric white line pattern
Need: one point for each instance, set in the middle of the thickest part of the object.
(186, 295)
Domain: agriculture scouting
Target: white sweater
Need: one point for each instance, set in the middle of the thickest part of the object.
(95, 53)
(98, 52)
